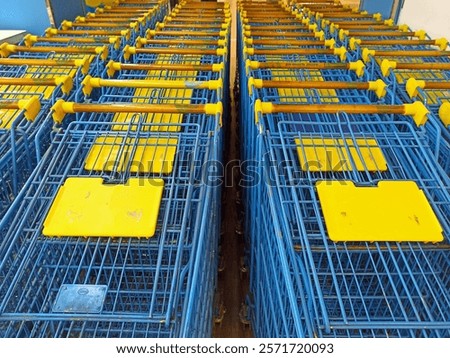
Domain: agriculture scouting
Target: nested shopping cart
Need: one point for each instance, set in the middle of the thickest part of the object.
(139, 270)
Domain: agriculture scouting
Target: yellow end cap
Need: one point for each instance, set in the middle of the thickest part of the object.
(80, 19)
(421, 34)
(442, 43)
(168, 18)
(341, 52)
(418, 111)
(379, 87)
(112, 67)
(213, 109)
(333, 28)
(386, 67)
(134, 25)
(250, 85)
(389, 22)
(128, 51)
(331, 43)
(306, 21)
(364, 13)
(87, 86)
(103, 52)
(221, 52)
(115, 40)
(215, 84)
(224, 33)
(84, 63)
(159, 25)
(30, 107)
(66, 83)
(6, 49)
(403, 28)
(222, 43)
(140, 42)
(29, 40)
(60, 109)
(247, 33)
(319, 35)
(49, 32)
(126, 34)
(65, 25)
(150, 33)
(343, 34)
(412, 85)
(249, 51)
(366, 53)
(248, 41)
(247, 27)
(378, 16)
(312, 27)
(353, 42)
(358, 67)
(218, 67)
(444, 113)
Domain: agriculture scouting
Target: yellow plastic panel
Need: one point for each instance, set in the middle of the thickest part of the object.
(150, 155)
(88, 207)
(391, 211)
(335, 155)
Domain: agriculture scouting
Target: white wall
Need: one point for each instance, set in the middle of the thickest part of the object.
(433, 16)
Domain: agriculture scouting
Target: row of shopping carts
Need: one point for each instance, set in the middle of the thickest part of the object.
(348, 213)
(42, 69)
(115, 232)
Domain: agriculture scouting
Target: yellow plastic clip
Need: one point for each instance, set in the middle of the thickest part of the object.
(412, 85)
(60, 109)
(112, 67)
(159, 25)
(30, 106)
(248, 40)
(262, 107)
(80, 19)
(353, 42)
(6, 49)
(403, 28)
(378, 16)
(442, 43)
(49, 32)
(126, 34)
(386, 67)
(421, 34)
(150, 33)
(444, 113)
(319, 35)
(29, 40)
(312, 27)
(88, 84)
(66, 83)
(333, 28)
(358, 67)
(418, 111)
(66, 25)
(366, 53)
(115, 40)
(128, 51)
(140, 42)
(389, 22)
(221, 52)
(218, 67)
(103, 52)
(341, 52)
(249, 51)
(379, 87)
(342, 34)
(306, 21)
(222, 43)
(331, 43)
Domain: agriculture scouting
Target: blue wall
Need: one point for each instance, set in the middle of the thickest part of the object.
(66, 10)
(382, 6)
(30, 15)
